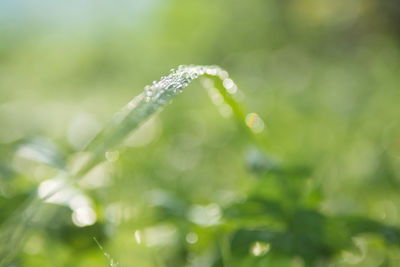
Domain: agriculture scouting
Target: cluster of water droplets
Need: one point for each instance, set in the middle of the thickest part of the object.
(173, 84)
(162, 91)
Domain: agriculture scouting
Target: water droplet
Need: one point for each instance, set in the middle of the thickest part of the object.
(211, 71)
(254, 122)
(185, 75)
(228, 83)
(223, 75)
(201, 70)
(230, 86)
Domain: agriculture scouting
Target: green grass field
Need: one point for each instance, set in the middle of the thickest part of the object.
(293, 162)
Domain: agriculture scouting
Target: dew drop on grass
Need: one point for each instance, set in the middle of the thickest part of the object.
(223, 75)
(164, 90)
(230, 86)
(254, 122)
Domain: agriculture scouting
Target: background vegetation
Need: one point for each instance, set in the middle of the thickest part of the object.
(190, 188)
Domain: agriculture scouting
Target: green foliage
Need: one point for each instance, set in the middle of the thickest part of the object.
(318, 187)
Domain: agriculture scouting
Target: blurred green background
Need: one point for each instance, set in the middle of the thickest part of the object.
(190, 188)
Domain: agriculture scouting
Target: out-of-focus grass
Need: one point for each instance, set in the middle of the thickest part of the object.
(322, 74)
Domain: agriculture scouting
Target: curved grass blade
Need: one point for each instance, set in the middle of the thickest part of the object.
(153, 99)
